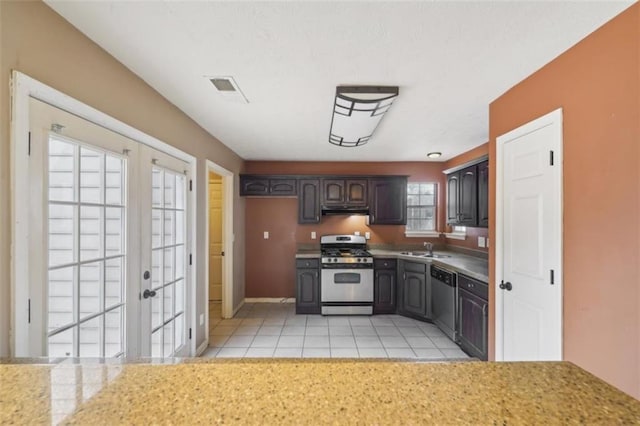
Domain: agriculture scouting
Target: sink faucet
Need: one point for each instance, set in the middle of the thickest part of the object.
(429, 247)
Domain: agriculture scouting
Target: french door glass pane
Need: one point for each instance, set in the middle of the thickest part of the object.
(62, 344)
(113, 333)
(91, 280)
(60, 302)
(156, 343)
(90, 339)
(86, 228)
(168, 261)
(62, 234)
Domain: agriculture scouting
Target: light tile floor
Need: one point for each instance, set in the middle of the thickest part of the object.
(269, 330)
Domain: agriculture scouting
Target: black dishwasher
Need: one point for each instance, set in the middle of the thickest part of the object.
(443, 290)
(473, 311)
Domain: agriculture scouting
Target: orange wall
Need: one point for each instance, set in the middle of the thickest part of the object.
(597, 84)
(270, 264)
(471, 242)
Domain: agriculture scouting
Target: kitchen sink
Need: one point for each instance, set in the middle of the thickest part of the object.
(424, 254)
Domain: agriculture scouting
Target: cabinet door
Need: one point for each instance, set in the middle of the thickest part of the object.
(333, 192)
(472, 324)
(453, 183)
(282, 186)
(356, 192)
(467, 198)
(483, 194)
(307, 291)
(388, 201)
(414, 289)
(384, 288)
(309, 201)
(254, 185)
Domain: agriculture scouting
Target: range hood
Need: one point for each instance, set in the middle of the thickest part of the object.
(345, 210)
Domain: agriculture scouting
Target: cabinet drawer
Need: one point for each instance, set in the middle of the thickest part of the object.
(420, 268)
(474, 286)
(384, 264)
(307, 263)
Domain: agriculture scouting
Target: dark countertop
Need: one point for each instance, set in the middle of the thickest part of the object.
(472, 266)
(277, 391)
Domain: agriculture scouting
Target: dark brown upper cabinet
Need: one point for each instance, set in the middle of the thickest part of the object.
(467, 196)
(388, 200)
(284, 186)
(344, 192)
(483, 194)
(309, 201)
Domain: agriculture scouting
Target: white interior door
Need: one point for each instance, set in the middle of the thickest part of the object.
(529, 222)
(165, 259)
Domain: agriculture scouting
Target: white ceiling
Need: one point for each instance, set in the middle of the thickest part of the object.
(450, 59)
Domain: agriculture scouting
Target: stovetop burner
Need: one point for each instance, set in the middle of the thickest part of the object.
(345, 252)
(350, 250)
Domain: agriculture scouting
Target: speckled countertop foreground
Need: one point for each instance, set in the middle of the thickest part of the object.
(310, 392)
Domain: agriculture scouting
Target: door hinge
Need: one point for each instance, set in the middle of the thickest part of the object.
(190, 185)
(551, 158)
(29, 311)
(190, 259)
(189, 334)
(552, 277)
(29, 146)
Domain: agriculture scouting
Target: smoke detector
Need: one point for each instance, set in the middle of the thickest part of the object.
(227, 87)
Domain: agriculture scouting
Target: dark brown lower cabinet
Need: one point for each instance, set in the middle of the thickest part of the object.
(307, 286)
(384, 286)
(472, 322)
(414, 290)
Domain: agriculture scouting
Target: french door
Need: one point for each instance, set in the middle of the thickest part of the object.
(108, 271)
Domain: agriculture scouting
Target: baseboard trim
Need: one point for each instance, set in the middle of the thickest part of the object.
(235, 311)
(203, 347)
(269, 300)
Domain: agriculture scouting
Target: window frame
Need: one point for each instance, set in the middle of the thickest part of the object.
(424, 233)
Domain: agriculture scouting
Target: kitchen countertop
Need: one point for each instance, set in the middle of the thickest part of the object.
(475, 267)
(280, 391)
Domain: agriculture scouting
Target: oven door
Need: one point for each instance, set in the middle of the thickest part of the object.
(347, 285)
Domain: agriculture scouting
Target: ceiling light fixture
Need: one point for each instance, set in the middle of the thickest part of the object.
(434, 154)
(357, 111)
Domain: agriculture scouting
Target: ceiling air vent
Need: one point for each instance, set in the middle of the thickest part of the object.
(228, 88)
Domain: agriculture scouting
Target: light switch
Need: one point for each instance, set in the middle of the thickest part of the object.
(367, 235)
(201, 319)
(266, 235)
(487, 242)
(481, 241)
(356, 233)
(313, 235)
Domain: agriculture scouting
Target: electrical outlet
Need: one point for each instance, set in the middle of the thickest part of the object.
(481, 241)
(313, 235)
(201, 319)
(356, 233)
(367, 235)
(265, 235)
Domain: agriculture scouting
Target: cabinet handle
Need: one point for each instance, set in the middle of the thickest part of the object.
(316, 274)
(404, 275)
(484, 310)
(317, 218)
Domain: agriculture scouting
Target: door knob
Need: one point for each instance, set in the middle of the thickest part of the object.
(148, 293)
(505, 286)
(146, 275)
